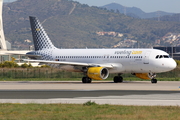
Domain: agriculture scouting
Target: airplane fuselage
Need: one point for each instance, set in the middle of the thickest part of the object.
(122, 60)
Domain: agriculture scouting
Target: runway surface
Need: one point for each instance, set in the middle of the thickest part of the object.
(127, 93)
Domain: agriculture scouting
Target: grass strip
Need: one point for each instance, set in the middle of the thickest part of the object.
(87, 112)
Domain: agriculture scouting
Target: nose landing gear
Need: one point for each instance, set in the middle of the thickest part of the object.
(153, 76)
(154, 81)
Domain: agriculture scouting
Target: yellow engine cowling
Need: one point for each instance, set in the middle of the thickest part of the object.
(146, 76)
(98, 73)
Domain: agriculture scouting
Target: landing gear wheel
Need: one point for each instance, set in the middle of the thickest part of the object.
(86, 80)
(154, 81)
(118, 79)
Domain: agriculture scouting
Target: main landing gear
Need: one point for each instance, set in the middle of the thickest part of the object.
(118, 79)
(86, 80)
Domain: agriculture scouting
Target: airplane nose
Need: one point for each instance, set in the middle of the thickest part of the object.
(173, 64)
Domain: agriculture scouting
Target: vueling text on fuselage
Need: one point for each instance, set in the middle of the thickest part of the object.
(125, 52)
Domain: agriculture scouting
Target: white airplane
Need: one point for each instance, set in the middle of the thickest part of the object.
(97, 64)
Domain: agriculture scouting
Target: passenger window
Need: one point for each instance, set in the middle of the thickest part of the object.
(161, 56)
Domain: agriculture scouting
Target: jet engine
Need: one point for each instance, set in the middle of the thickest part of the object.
(98, 73)
(146, 76)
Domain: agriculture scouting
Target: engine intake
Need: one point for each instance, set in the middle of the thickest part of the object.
(98, 73)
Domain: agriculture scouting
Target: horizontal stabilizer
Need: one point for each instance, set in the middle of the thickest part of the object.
(27, 55)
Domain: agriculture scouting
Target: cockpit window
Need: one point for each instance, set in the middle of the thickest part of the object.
(166, 56)
(157, 56)
(162, 56)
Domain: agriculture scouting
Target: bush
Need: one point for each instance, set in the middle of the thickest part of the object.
(1, 65)
(9, 64)
(25, 65)
(89, 103)
(45, 66)
(178, 62)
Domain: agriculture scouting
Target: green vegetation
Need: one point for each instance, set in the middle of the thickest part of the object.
(178, 63)
(87, 112)
(25, 65)
(9, 64)
(10, 71)
(89, 103)
(174, 18)
(73, 25)
(51, 74)
(13, 64)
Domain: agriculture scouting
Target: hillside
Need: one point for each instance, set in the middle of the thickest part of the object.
(173, 18)
(73, 25)
(134, 11)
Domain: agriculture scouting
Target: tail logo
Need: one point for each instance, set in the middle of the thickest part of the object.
(37, 29)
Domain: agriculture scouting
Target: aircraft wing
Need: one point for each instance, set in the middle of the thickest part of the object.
(69, 63)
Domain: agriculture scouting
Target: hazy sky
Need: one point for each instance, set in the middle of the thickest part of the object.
(145, 5)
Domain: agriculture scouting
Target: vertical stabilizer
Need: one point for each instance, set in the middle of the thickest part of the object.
(40, 37)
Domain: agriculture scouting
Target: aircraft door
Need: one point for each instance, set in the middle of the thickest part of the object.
(106, 58)
(146, 57)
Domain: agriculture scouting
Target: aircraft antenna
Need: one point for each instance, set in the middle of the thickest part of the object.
(159, 15)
